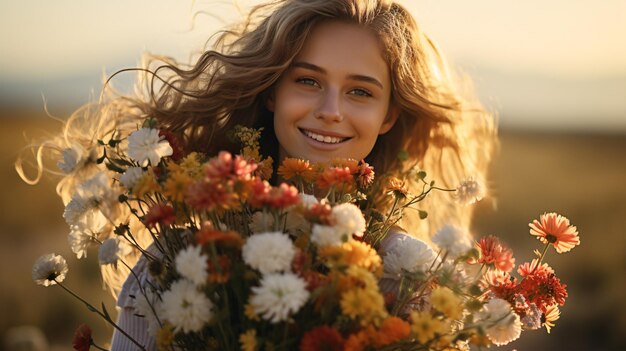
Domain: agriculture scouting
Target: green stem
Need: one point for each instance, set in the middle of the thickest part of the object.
(105, 317)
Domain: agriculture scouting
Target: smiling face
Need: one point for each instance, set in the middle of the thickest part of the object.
(334, 100)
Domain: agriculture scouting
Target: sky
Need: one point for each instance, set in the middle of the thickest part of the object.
(558, 64)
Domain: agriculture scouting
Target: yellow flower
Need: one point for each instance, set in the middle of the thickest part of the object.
(368, 305)
(250, 312)
(165, 337)
(146, 184)
(191, 165)
(248, 340)
(176, 185)
(352, 253)
(551, 315)
(364, 277)
(445, 301)
(250, 153)
(265, 168)
(424, 326)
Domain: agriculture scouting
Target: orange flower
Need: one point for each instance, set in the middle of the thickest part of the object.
(396, 187)
(337, 177)
(322, 338)
(219, 269)
(357, 342)
(208, 234)
(529, 268)
(556, 230)
(493, 252)
(296, 168)
(393, 329)
(349, 163)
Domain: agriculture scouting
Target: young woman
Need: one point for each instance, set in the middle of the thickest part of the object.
(325, 79)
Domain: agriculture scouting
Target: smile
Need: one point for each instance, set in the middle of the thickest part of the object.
(323, 138)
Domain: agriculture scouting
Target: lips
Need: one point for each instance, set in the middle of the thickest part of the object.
(323, 138)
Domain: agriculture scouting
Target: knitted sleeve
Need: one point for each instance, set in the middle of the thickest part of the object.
(140, 328)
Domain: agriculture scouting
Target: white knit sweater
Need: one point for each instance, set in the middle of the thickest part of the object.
(135, 326)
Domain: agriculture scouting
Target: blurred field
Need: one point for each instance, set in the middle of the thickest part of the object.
(580, 176)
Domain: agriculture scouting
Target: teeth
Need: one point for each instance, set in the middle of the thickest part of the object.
(324, 139)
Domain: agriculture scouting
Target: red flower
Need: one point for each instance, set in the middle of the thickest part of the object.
(177, 149)
(493, 252)
(82, 338)
(556, 230)
(159, 213)
(323, 338)
(543, 288)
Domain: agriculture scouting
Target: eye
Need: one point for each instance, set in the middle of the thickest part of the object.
(361, 92)
(307, 81)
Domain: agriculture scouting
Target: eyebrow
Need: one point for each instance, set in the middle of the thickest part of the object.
(359, 77)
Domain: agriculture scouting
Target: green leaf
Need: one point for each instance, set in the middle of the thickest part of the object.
(423, 214)
(105, 312)
(115, 168)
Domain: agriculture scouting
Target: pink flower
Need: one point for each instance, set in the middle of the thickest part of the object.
(556, 230)
(161, 214)
(282, 196)
(224, 167)
(493, 252)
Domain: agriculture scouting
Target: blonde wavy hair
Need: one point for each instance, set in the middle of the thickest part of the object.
(441, 125)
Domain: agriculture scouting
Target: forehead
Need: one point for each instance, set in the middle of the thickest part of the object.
(339, 46)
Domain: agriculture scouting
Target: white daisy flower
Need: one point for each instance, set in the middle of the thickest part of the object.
(502, 325)
(269, 252)
(348, 218)
(185, 307)
(49, 269)
(261, 222)
(307, 200)
(324, 235)
(407, 254)
(452, 239)
(146, 147)
(149, 307)
(80, 240)
(191, 263)
(94, 197)
(72, 158)
(129, 178)
(469, 191)
(111, 250)
(279, 296)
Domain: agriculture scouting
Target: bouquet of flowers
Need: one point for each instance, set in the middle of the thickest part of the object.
(317, 262)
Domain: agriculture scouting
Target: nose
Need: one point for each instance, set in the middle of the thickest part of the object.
(329, 108)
